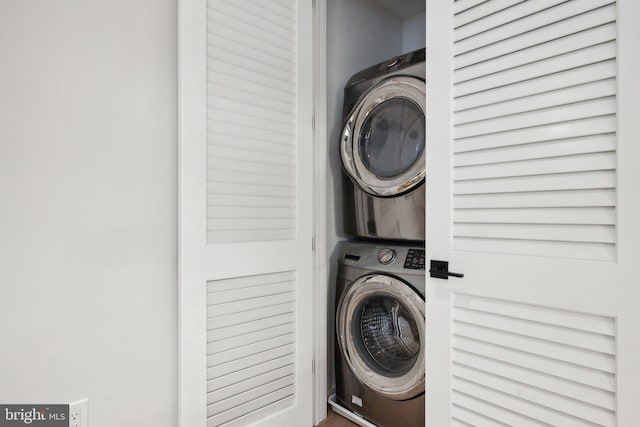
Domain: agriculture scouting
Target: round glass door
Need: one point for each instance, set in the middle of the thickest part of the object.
(383, 139)
(380, 327)
(392, 138)
(388, 335)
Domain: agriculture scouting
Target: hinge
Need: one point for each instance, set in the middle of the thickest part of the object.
(313, 122)
(313, 3)
(313, 244)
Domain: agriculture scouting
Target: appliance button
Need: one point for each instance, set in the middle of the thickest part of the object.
(393, 62)
(386, 256)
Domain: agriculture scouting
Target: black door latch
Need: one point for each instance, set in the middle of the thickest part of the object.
(440, 270)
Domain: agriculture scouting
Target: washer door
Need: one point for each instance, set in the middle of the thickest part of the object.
(380, 324)
(382, 145)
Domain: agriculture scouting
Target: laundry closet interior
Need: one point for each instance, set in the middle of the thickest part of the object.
(360, 35)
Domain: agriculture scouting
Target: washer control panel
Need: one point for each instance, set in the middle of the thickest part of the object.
(390, 258)
(414, 259)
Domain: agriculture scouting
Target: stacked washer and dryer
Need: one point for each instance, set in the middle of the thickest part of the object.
(380, 307)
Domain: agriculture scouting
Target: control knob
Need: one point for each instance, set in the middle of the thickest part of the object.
(386, 256)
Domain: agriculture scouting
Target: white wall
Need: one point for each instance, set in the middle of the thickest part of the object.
(88, 207)
(414, 32)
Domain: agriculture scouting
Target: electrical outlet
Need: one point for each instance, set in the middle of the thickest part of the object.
(79, 413)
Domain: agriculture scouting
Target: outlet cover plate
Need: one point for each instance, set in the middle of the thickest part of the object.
(79, 413)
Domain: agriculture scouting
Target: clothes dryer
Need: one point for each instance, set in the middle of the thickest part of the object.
(380, 333)
(382, 149)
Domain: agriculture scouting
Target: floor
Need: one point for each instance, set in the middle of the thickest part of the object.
(335, 420)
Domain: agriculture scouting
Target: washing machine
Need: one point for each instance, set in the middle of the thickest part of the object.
(380, 333)
(382, 149)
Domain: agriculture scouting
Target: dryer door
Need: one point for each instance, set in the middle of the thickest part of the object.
(380, 323)
(382, 145)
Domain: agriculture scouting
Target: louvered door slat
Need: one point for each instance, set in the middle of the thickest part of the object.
(282, 131)
(516, 404)
(546, 199)
(231, 85)
(538, 330)
(555, 232)
(281, 8)
(529, 23)
(277, 70)
(544, 34)
(482, 10)
(262, 52)
(239, 377)
(218, 176)
(543, 368)
(251, 111)
(578, 392)
(252, 360)
(597, 143)
(550, 402)
(250, 212)
(553, 249)
(572, 373)
(242, 128)
(586, 47)
(250, 336)
(465, 405)
(250, 140)
(251, 321)
(503, 17)
(562, 164)
(225, 90)
(547, 182)
(246, 166)
(269, 27)
(590, 359)
(250, 326)
(221, 130)
(220, 322)
(525, 86)
(594, 215)
(258, 381)
(238, 154)
(548, 132)
(283, 396)
(573, 94)
(503, 71)
(465, 417)
(462, 5)
(247, 350)
(227, 405)
(534, 128)
(222, 202)
(562, 113)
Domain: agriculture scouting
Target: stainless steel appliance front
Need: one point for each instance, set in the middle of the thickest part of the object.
(382, 147)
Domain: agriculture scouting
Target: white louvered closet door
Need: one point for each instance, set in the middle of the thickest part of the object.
(246, 213)
(532, 193)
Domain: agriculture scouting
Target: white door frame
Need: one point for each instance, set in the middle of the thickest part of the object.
(321, 256)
